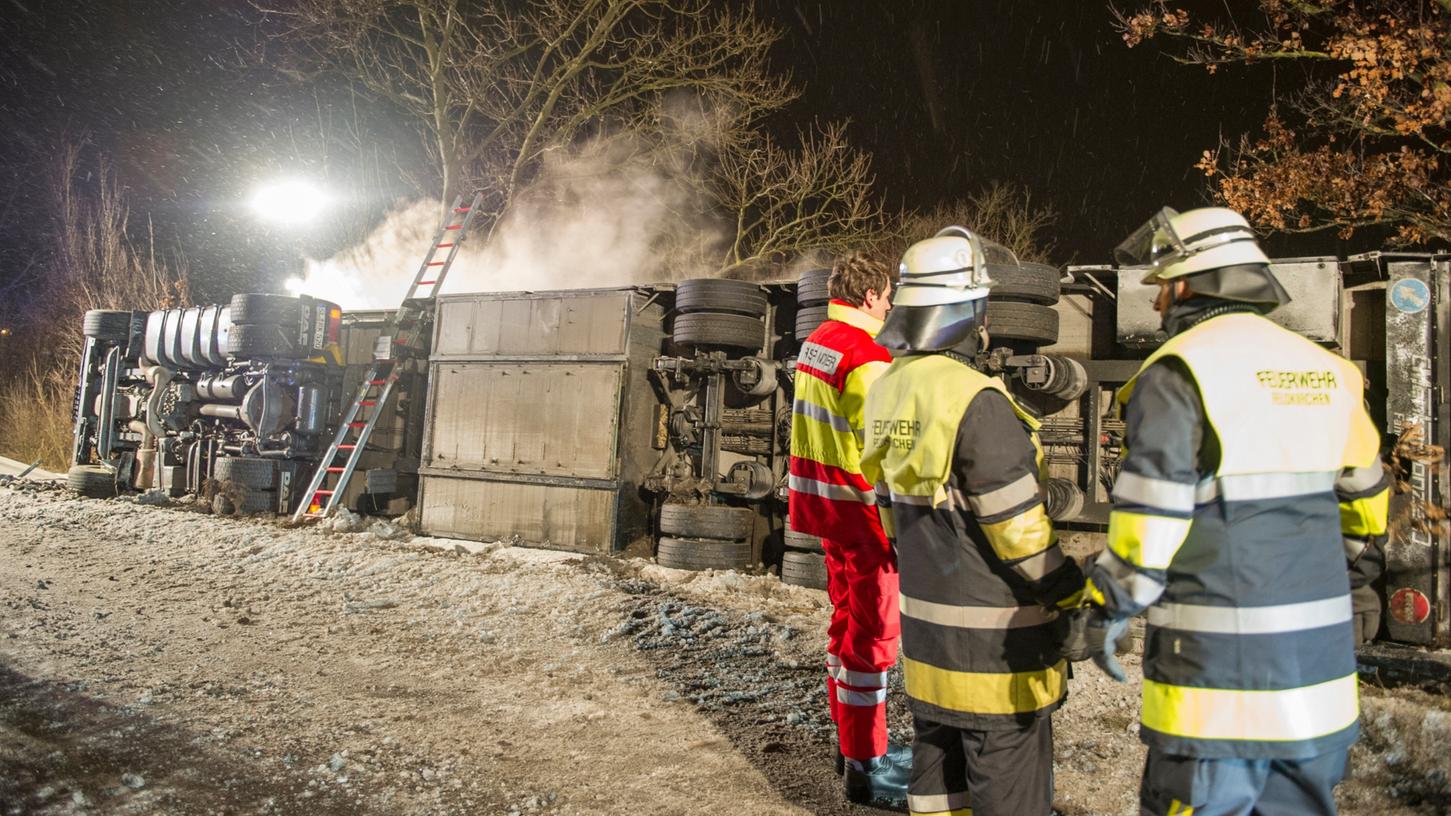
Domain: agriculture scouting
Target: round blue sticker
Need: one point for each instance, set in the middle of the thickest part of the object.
(1410, 295)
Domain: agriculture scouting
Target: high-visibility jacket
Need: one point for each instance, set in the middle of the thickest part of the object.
(956, 463)
(1238, 551)
(837, 363)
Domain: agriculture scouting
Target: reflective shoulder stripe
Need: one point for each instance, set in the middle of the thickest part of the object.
(1281, 716)
(850, 697)
(1360, 479)
(821, 414)
(1035, 567)
(1162, 494)
(1252, 620)
(1005, 498)
(1252, 486)
(984, 692)
(975, 617)
(1145, 539)
(936, 803)
(826, 490)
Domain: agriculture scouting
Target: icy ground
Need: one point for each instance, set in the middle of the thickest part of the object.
(154, 659)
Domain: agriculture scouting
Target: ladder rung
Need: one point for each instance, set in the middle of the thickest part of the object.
(454, 226)
(366, 403)
(322, 493)
(377, 382)
(461, 209)
(437, 263)
(346, 447)
(445, 246)
(356, 425)
(336, 470)
(425, 283)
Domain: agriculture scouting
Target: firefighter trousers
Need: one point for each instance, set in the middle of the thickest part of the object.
(861, 647)
(1240, 787)
(957, 771)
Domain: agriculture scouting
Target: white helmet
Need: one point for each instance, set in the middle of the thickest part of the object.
(1176, 244)
(947, 268)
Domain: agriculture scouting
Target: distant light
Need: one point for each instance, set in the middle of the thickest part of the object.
(4, 332)
(289, 201)
(294, 285)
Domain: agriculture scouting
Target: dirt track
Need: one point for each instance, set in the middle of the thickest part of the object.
(157, 660)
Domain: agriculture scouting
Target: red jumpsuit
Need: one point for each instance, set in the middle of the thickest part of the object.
(830, 498)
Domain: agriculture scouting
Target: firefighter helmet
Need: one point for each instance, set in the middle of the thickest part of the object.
(1175, 244)
(941, 295)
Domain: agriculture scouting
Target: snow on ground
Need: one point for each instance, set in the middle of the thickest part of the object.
(156, 659)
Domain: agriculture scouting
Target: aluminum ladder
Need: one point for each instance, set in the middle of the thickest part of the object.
(356, 428)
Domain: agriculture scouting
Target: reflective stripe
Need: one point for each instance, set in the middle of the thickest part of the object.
(865, 680)
(1177, 808)
(903, 498)
(1035, 567)
(1159, 493)
(937, 802)
(1144, 539)
(984, 692)
(975, 617)
(1252, 620)
(1027, 533)
(832, 660)
(1143, 588)
(884, 495)
(1251, 486)
(1366, 516)
(826, 490)
(1005, 498)
(1354, 548)
(851, 697)
(1361, 479)
(1280, 716)
(813, 411)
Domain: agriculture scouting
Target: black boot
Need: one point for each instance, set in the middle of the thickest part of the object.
(883, 782)
(898, 753)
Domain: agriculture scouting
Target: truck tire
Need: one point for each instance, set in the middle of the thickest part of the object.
(812, 290)
(248, 472)
(93, 481)
(706, 521)
(717, 295)
(808, 319)
(263, 309)
(703, 554)
(803, 569)
(802, 541)
(109, 325)
(1028, 282)
(244, 502)
(712, 329)
(1022, 321)
(260, 342)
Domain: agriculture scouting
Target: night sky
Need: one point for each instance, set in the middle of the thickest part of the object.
(188, 99)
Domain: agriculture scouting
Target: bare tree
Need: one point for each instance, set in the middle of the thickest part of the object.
(786, 202)
(494, 87)
(1000, 212)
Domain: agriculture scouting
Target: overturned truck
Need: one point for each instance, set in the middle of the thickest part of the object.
(655, 420)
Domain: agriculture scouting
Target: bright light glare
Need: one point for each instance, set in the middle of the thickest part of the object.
(289, 201)
(294, 285)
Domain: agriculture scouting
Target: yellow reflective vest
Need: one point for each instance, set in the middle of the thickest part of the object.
(1249, 649)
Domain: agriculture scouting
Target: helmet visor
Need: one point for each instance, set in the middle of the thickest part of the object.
(1153, 243)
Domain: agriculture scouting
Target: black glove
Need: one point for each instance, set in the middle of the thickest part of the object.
(1075, 639)
(1102, 634)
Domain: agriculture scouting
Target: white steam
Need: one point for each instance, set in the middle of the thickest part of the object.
(614, 212)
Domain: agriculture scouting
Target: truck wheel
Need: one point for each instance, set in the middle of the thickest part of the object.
(811, 290)
(706, 521)
(802, 541)
(261, 342)
(1022, 321)
(93, 481)
(1028, 282)
(248, 472)
(717, 295)
(257, 501)
(262, 309)
(711, 329)
(703, 553)
(808, 319)
(107, 324)
(803, 569)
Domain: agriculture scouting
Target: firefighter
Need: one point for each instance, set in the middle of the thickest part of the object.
(829, 498)
(956, 463)
(1253, 471)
